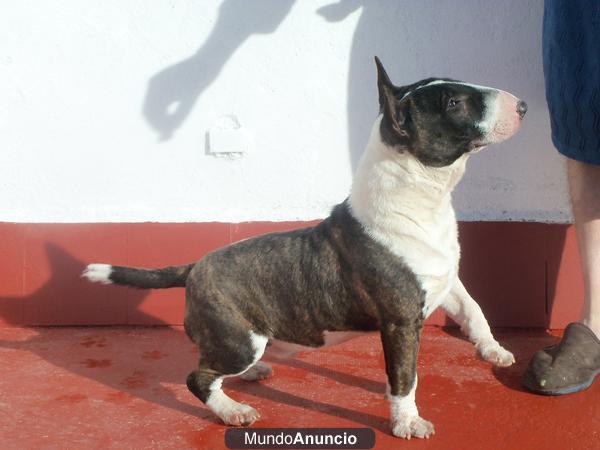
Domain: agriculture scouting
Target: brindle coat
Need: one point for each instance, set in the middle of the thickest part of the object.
(293, 287)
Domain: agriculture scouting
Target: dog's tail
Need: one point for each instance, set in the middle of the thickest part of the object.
(167, 277)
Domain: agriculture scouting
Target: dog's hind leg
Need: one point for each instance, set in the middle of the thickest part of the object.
(207, 386)
(226, 361)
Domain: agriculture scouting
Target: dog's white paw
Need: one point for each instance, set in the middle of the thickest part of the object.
(409, 426)
(239, 415)
(496, 354)
(257, 372)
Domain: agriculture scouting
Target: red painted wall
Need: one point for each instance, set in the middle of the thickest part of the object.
(522, 274)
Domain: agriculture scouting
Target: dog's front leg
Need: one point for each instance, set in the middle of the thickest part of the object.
(465, 311)
(400, 348)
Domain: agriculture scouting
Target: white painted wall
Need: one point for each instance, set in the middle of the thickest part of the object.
(84, 86)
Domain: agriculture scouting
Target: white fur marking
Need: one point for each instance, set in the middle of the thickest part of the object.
(403, 405)
(490, 116)
(407, 207)
(465, 311)
(98, 273)
(228, 410)
(405, 418)
(435, 82)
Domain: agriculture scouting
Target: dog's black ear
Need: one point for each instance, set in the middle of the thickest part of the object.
(384, 85)
(396, 112)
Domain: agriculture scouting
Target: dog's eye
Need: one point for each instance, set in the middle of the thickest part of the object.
(452, 102)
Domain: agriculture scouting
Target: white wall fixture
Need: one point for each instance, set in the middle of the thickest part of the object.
(227, 138)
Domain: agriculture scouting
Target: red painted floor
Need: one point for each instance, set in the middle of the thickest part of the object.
(124, 388)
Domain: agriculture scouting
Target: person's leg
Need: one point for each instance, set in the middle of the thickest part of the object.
(574, 362)
(571, 71)
(584, 186)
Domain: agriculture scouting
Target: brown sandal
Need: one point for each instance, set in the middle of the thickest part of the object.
(567, 367)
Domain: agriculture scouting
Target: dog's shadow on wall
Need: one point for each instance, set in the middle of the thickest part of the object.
(66, 293)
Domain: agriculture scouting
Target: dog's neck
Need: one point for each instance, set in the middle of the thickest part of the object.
(391, 187)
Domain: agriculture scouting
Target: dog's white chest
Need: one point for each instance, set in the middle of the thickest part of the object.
(407, 208)
(437, 285)
(432, 252)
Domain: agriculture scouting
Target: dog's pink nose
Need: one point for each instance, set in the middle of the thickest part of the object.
(521, 108)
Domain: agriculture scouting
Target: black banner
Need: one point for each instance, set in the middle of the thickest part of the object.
(301, 438)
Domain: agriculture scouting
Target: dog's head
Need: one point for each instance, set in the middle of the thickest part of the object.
(438, 120)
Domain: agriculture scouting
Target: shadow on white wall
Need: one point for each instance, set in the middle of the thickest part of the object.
(490, 43)
(173, 92)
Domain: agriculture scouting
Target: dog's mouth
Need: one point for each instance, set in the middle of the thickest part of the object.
(478, 146)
